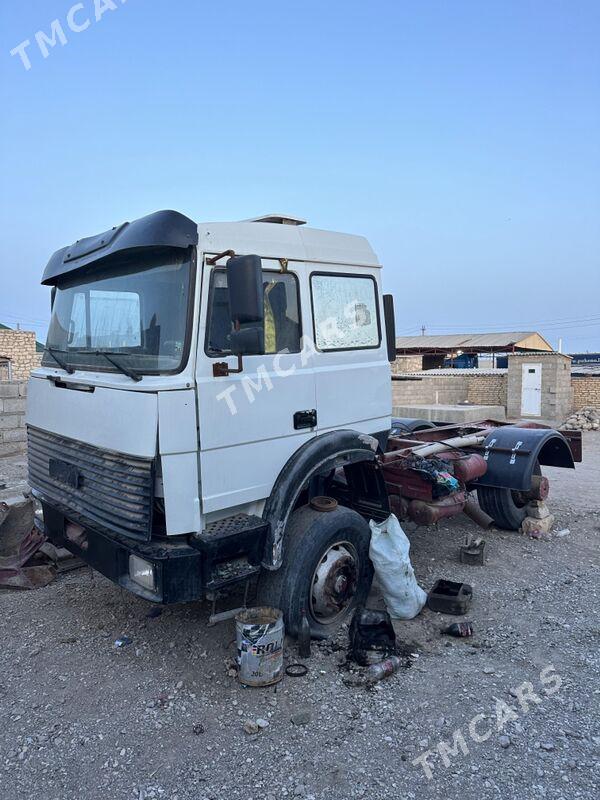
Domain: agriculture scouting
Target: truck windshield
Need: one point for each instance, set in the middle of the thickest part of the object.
(136, 308)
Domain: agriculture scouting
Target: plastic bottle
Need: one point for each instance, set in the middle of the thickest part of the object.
(459, 629)
(304, 636)
(385, 668)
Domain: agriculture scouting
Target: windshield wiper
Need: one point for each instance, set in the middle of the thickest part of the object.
(61, 362)
(110, 356)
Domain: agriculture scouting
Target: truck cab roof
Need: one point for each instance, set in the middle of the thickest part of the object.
(271, 236)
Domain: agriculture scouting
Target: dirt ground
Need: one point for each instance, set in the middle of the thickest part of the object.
(161, 717)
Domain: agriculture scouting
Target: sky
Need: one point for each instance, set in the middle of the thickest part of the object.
(462, 138)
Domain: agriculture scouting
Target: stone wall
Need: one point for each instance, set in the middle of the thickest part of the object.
(586, 391)
(407, 364)
(487, 390)
(13, 436)
(19, 347)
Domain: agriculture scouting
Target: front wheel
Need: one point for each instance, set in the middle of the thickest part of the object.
(326, 570)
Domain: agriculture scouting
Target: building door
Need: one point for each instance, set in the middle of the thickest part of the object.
(531, 390)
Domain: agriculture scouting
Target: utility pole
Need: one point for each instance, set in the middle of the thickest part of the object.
(422, 330)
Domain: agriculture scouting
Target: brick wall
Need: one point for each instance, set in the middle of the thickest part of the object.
(487, 390)
(12, 417)
(19, 346)
(450, 390)
(586, 391)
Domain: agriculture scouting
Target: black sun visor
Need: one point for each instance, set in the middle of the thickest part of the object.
(161, 229)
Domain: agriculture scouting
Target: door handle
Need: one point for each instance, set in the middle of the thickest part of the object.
(305, 419)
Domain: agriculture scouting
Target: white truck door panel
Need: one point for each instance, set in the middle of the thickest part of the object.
(352, 373)
(122, 421)
(246, 420)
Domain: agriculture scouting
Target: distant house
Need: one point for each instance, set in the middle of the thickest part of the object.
(20, 353)
(460, 350)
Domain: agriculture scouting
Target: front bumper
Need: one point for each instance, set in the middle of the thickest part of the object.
(177, 565)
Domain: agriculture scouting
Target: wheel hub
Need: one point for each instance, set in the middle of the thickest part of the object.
(334, 582)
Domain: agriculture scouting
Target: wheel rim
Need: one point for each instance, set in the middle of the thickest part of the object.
(334, 583)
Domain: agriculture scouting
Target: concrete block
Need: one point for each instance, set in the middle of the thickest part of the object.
(9, 421)
(450, 413)
(14, 405)
(10, 389)
(15, 435)
(11, 448)
(23, 389)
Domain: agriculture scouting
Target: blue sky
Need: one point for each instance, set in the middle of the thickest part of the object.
(463, 138)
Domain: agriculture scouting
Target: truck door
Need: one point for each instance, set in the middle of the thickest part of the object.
(252, 422)
(352, 372)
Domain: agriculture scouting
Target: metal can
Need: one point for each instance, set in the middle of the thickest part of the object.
(259, 635)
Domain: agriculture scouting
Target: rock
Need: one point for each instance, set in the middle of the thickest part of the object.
(536, 528)
(548, 746)
(563, 533)
(301, 717)
(250, 727)
(262, 723)
(504, 741)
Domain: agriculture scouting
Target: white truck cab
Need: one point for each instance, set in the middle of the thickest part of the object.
(202, 387)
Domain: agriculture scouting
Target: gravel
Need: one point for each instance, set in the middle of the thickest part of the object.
(162, 718)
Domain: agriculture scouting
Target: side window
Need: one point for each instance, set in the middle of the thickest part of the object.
(282, 314)
(345, 310)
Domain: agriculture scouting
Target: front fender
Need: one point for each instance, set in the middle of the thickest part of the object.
(318, 456)
(512, 452)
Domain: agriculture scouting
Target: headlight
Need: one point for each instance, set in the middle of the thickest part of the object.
(142, 573)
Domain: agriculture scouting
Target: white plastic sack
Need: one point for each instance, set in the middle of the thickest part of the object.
(388, 551)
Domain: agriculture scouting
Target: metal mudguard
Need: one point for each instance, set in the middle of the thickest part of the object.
(512, 452)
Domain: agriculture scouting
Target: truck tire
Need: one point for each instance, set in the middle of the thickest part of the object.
(326, 570)
(508, 508)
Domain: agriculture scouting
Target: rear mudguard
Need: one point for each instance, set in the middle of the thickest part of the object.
(512, 452)
(403, 425)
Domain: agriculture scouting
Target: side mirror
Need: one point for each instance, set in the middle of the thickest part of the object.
(390, 326)
(244, 282)
(246, 305)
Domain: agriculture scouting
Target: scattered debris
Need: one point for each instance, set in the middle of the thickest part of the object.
(389, 552)
(459, 629)
(450, 597)
(304, 636)
(473, 551)
(504, 741)
(372, 636)
(561, 534)
(198, 728)
(586, 419)
(260, 636)
(262, 723)
(123, 641)
(385, 668)
(296, 670)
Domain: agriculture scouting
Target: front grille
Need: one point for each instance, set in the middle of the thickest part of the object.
(107, 491)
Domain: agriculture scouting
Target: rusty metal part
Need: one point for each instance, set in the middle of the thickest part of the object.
(474, 511)
(473, 552)
(540, 488)
(467, 467)
(322, 503)
(20, 541)
(334, 582)
(427, 513)
(399, 506)
(212, 261)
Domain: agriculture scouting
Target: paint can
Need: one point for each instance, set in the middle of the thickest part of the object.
(259, 636)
